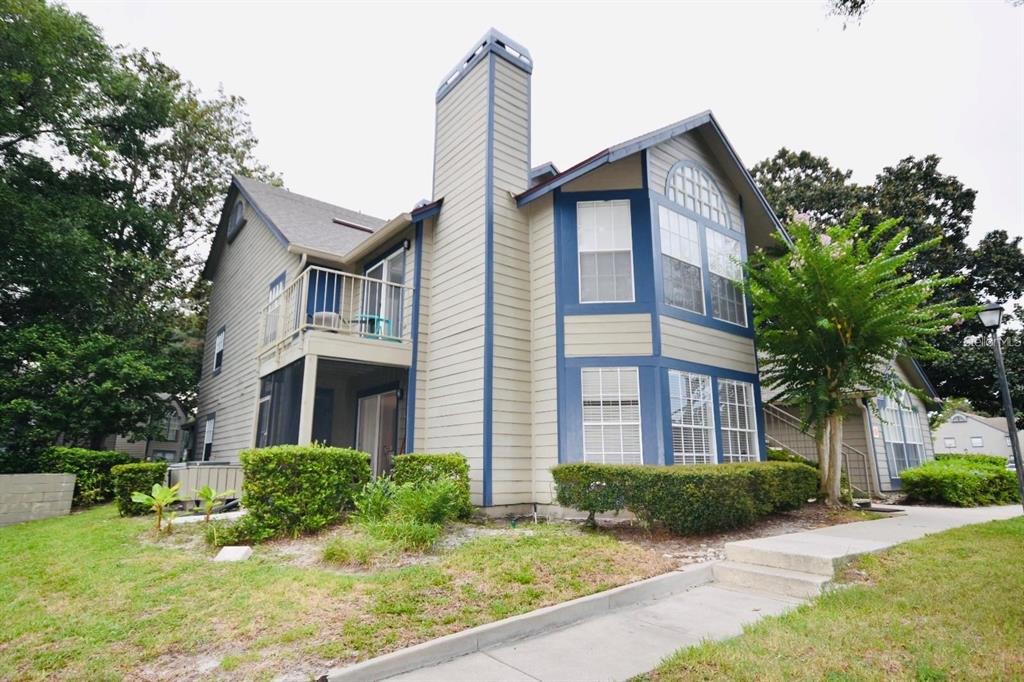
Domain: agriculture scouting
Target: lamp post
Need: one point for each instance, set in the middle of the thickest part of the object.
(992, 316)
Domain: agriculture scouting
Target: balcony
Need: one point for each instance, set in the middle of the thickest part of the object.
(337, 314)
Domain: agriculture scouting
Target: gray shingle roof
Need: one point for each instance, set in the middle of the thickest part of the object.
(308, 222)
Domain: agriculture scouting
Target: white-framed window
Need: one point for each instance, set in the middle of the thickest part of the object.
(901, 431)
(728, 303)
(693, 422)
(611, 415)
(949, 442)
(218, 351)
(208, 438)
(958, 419)
(738, 420)
(604, 233)
(693, 188)
(977, 442)
(682, 273)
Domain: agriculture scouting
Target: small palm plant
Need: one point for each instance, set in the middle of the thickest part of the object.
(209, 497)
(161, 498)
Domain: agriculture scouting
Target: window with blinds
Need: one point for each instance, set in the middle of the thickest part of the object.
(738, 421)
(693, 426)
(611, 415)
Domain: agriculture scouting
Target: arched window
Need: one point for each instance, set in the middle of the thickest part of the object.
(237, 220)
(691, 187)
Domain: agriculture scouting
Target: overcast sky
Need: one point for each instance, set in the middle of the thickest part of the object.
(342, 95)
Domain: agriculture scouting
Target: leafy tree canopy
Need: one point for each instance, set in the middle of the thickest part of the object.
(932, 206)
(112, 170)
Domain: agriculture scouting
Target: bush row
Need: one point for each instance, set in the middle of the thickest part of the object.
(138, 477)
(93, 480)
(961, 481)
(991, 460)
(688, 499)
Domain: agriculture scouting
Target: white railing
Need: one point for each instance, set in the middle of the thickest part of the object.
(330, 300)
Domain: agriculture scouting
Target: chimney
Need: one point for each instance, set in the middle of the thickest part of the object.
(481, 159)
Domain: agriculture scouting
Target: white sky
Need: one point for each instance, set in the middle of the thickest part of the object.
(342, 95)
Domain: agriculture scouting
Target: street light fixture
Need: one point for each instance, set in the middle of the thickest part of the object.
(992, 316)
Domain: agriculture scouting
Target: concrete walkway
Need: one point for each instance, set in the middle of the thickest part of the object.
(760, 577)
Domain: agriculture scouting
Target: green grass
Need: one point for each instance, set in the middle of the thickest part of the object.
(946, 607)
(90, 596)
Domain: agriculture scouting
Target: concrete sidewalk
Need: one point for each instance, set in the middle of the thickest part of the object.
(634, 639)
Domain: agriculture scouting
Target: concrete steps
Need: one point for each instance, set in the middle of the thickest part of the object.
(770, 579)
(795, 558)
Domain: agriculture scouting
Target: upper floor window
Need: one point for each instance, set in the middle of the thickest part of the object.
(237, 219)
(949, 442)
(604, 232)
(218, 351)
(611, 415)
(901, 431)
(728, 302)
(692, 188)
(680, 260)
(977, 442)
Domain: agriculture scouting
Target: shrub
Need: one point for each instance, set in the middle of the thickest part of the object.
(376, 499)
(363, 550)
(245, 531)
(991, 460)
(420, 468)
(435, 502)
(289, 489)
(688, 499)
(133, 478)
(781, 455)
(93, 480)
(960, 482)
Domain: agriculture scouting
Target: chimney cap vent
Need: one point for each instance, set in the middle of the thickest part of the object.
(493, 41)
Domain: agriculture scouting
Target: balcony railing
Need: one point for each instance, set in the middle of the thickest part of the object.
(329, 300)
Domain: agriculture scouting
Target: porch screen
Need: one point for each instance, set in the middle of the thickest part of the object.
(280, 402)
(739, 424)
(611, 415)
(693, 425)
(901, 430)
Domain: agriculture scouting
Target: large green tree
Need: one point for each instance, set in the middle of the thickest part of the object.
(931, 205)
(823, 340)
(112, 168)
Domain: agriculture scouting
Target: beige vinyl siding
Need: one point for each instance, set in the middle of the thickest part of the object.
(695, 343)
(454, 385)
(688, 147)
(608, 335)
(511, 424)
(241, 285)
(627, 173)
(544, 348)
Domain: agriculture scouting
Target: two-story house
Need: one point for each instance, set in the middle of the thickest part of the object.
(524, 316)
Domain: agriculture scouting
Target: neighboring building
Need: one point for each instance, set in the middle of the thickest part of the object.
(881, 436)
(967, 432)
(168, 444)
(523, 316)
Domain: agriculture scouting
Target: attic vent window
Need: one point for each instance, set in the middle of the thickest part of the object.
(345, 223)
(237, 220)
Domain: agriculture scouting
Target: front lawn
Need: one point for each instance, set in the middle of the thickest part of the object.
(91, 596)
(946, 607)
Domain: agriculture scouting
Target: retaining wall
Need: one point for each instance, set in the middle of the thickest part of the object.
(27, 497)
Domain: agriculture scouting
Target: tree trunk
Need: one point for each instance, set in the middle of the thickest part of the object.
(821, 449)
(833, 495)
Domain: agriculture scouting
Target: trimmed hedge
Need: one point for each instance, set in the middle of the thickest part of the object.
(991, 460)
(688, 499)
(426, 467)
(960, 482)
(136, 478)
(93, 481)
(291, 489)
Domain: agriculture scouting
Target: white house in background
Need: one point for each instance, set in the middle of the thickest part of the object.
(972, 433)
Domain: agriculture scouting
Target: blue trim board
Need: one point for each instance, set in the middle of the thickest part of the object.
(410, 403)
(559, 325)
(488, 398)
(426, 210)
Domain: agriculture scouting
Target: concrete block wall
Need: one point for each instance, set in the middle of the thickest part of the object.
(27, 497)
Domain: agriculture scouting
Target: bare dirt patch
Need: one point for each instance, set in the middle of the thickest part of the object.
(684, 550)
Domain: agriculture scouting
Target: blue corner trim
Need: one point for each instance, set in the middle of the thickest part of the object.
(410, 402)
(426, 211)
(492, 43)
(488, 406)
(559, 326)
